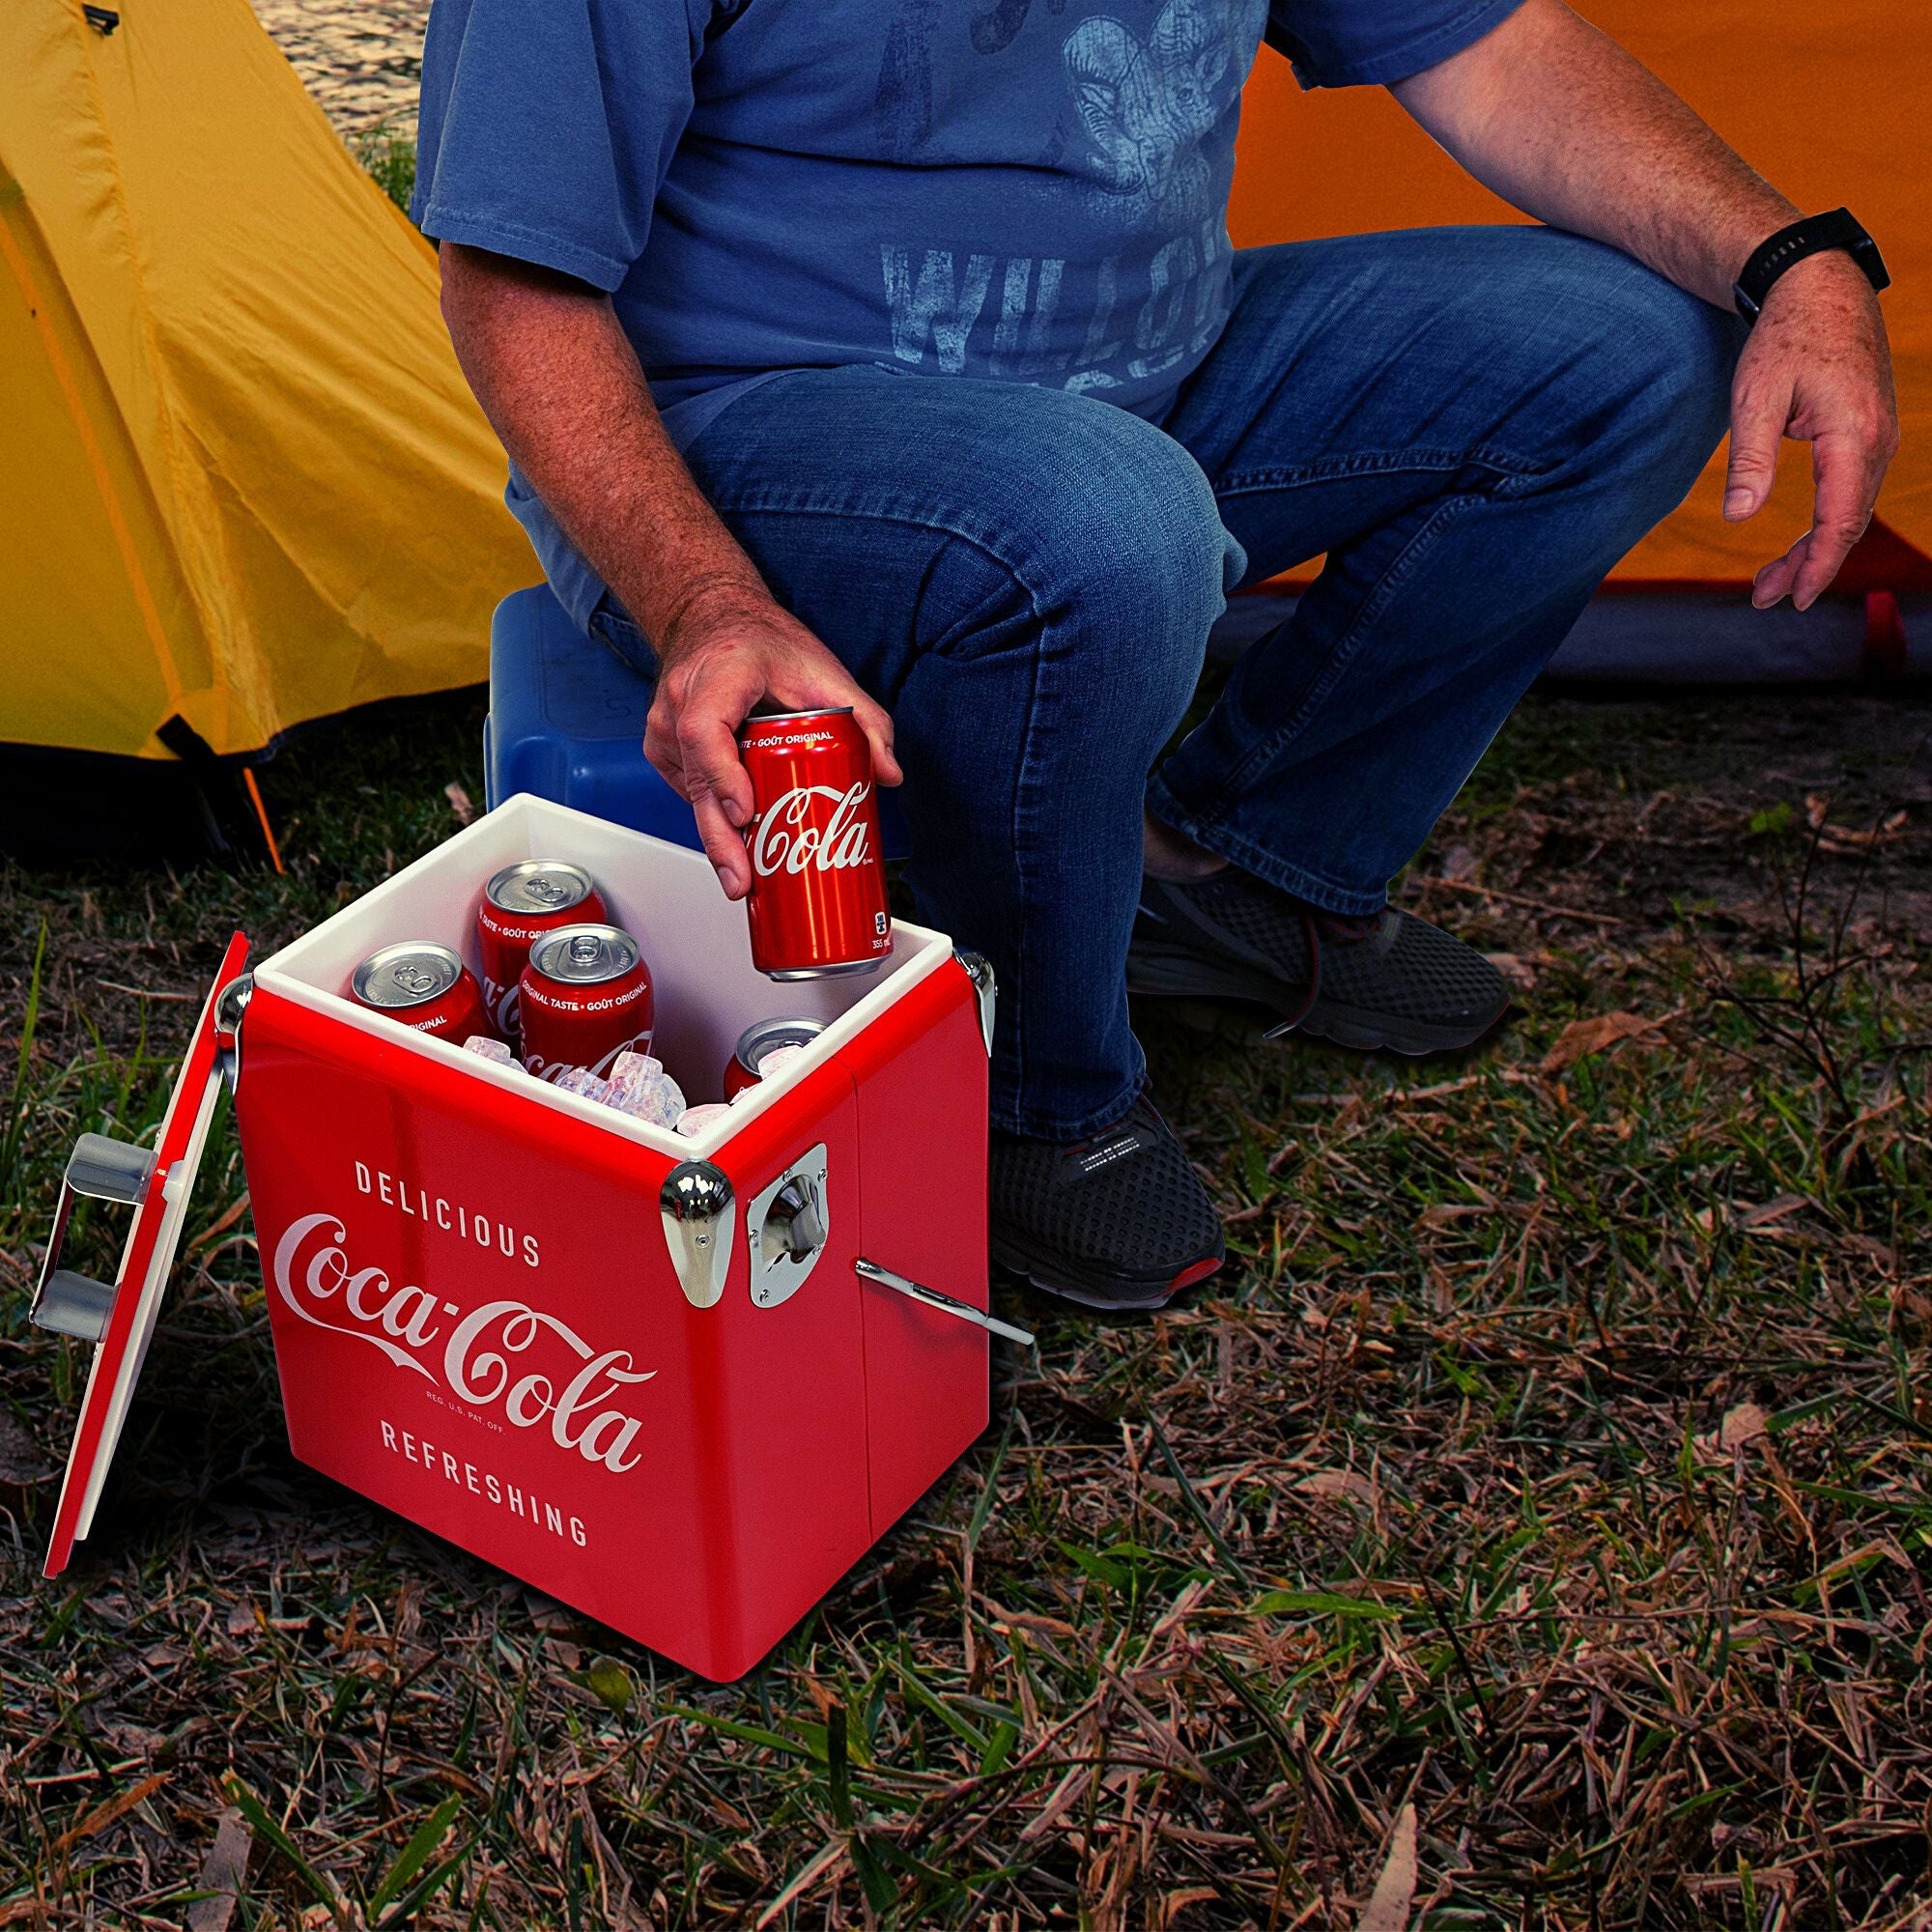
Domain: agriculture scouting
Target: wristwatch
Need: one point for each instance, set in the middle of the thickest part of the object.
(1812, 235)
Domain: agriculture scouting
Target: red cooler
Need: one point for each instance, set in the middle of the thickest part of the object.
(680, 1384)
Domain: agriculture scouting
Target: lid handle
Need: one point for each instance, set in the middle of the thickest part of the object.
(101, 1169)
(74, 1304)
(106, 1169)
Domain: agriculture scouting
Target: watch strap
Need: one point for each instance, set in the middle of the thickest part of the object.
(1814, 235)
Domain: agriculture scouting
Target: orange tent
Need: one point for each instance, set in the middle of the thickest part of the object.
(1832, 105)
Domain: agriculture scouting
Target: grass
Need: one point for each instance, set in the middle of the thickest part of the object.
(387, 152)
(1550, 1467)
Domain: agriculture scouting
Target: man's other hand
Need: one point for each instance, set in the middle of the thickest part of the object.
(726, 651)
(1817, 368)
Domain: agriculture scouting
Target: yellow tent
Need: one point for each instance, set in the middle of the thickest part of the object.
(1832, 103)
(242, 480)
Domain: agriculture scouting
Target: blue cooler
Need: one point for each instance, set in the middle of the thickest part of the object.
(567, 722)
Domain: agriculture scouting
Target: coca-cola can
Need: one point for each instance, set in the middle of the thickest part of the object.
(759, 1043)
(423, 985)
(584, 998)
(817, 903)
(519, 904)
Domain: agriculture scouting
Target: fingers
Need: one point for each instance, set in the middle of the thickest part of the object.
(877, 724)
(1774, 580)
(829, 683)
(1760, 409)
(723, 845)
(717, 784)
(1848, 467)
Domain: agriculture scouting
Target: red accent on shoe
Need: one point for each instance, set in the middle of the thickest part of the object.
(1188, 1276)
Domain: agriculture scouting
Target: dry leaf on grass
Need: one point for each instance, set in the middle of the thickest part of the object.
(1387, 1909)
(1595, 1033)
(1519, 972)
(221, 1874)
(92, 1822)
(1349, 1482)
(1745, 1424)
(459, 803)
(1174, 1903)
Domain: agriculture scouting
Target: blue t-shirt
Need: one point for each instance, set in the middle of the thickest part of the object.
(1031, 191)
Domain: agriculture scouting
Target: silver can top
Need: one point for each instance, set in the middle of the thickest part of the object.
(758, 720)
(585, 955)
(409, 974)
(539, 885)
(765, 1036)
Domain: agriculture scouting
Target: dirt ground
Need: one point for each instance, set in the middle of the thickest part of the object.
(1531, 1527)
(362, 59)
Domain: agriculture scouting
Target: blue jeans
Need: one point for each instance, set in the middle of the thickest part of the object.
(1475, 425)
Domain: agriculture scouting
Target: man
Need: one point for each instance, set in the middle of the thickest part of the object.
(891, 354)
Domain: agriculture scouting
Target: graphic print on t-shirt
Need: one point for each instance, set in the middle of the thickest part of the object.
(1132, 170)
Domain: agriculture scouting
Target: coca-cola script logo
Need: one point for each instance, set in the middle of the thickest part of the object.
(314, 1278)
(789, 840)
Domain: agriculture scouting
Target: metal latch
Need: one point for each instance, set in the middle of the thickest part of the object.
(946, 1304)
(102, 1169)
(980, 970)
(787, 1224)
(695, 1205)
(230, 1004)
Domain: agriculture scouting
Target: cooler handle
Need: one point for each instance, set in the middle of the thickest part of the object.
(102, 1169)
(946, 1304)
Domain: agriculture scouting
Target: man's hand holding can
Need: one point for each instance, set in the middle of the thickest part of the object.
(728, 649)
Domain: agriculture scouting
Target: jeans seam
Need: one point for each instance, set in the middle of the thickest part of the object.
(1270, 747)
(1318, 889)
(1512, 468)
(782, 504)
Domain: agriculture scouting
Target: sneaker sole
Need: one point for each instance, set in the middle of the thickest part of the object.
(1160, 973)
(1090, 1287)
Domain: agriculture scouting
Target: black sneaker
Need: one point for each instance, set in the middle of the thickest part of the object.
(1118, 1221)
(1391, 980)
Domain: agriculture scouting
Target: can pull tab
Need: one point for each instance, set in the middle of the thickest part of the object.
(100, 1168)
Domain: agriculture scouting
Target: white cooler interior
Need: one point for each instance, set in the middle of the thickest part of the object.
(668, 897)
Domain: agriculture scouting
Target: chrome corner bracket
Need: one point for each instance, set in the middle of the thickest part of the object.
(980, 970)
(694, 1204)
(787, 1224)
(230, 1004)
(102, 1169)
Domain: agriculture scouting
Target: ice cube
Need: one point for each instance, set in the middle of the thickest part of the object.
(580, 1080)
(658, 1099)
(486, 1048)
(695, 1120)
(629, 1068)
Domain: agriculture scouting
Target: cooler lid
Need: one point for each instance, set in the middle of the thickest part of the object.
(120, 1320)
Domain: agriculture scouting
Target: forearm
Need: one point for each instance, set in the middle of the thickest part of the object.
(1563, 123)
(563, 387)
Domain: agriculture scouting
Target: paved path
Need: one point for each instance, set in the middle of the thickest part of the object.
(360, 58)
